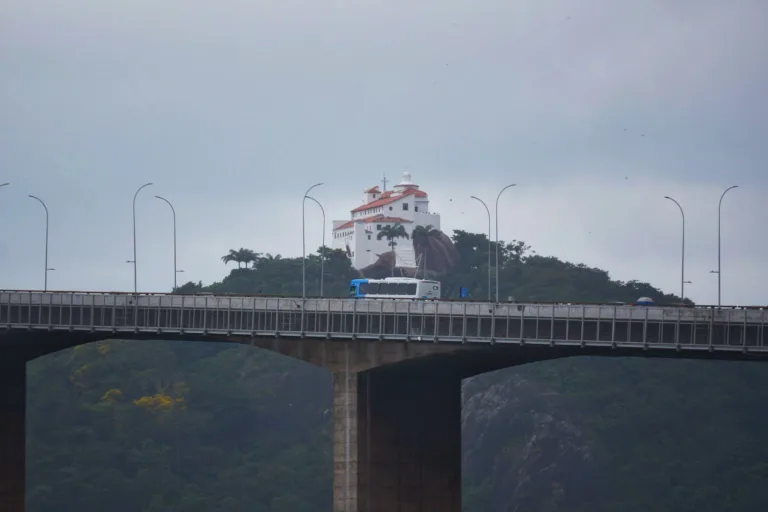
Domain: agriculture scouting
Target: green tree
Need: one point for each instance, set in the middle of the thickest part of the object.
(240, 256)
(422, 238)
(392, 232)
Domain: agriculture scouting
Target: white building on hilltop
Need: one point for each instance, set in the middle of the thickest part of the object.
(406, 205)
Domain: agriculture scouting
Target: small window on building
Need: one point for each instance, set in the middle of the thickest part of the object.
(369, 237)
(405, 207)
(416, 208)
(378, 227)
(390, 208)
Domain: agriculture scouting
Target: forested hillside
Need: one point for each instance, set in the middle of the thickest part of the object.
(157, 426)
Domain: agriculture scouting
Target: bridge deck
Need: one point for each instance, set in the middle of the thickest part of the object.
(450, 322)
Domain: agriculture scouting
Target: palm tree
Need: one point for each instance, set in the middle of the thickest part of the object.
(247, 256)
(240, 256)
(422, 237)
(232, 256)
(391, 232)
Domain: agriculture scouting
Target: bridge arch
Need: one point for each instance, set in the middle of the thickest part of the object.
(397, 366)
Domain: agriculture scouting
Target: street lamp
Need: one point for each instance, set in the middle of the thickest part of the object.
(489, 244)
(719, 272)
(135, 285)
(173, 210)
(682, 269)
(497, 238)
(322, 255)
(46, 241)
(304, 245)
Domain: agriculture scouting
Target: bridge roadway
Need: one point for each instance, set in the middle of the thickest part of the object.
(683, 328)
(397, 365)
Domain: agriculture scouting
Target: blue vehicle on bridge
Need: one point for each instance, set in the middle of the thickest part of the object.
(395, 288)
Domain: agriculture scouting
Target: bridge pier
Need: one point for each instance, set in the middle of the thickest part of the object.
(397, 441)
(13, 383)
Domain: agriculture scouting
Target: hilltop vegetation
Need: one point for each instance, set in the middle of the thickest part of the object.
(460, 261)
(201, 427)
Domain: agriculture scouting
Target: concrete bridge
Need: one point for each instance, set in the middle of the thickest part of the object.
(397, 366)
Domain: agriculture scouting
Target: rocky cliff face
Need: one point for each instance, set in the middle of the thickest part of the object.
(440, 252)
(597, 434)
(522, 447)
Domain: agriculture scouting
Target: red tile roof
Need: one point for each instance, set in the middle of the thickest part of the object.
(373, 190)
(373, 218)
(387, 198)
(382, 218)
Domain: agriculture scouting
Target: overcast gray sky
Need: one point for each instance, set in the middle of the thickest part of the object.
(595, 108)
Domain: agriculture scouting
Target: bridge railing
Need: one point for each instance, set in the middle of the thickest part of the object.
(449, 300)
(384, 319)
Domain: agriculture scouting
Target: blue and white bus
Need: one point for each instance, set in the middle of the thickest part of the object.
(395, 288)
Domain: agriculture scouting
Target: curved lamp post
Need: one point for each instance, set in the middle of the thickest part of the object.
(322, 254)
(719, 271)
(135, 281)
(304, 244)
(682, 269)
(489, 244)
(497, 238)
(46, 241)
(173, 210)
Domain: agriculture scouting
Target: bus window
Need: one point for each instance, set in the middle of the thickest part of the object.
(352, 290)
(388, 289)
(369, 288)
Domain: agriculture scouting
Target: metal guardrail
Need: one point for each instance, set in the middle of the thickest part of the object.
(394, 320)
(453, 300)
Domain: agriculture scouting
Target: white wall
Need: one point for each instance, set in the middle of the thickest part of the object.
(365, 250)
(425, 219)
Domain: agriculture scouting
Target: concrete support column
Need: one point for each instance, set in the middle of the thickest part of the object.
(345, 442)
(13, 384)
(397, 441)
